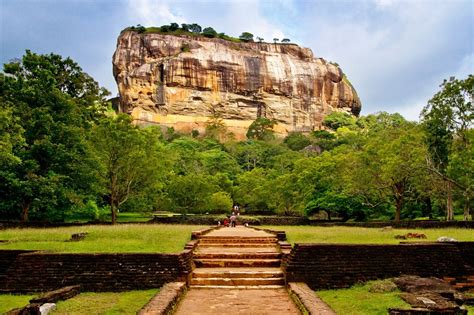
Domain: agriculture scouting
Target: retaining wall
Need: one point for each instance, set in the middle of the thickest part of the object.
(338, 266)
(22, 271)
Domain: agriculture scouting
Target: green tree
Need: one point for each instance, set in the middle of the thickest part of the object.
(246, 37)
(191, 193)
(285, 40)
(220, 202)
(209, 32)
(448, 119)
(252, 191)
(47, 103)
(129, 158)
(185, 27)
(174, 27)
(195, 28)
(261, 129)
(337, 120)
(390, 165)
(296, 141)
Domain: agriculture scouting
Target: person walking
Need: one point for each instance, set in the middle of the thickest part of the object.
(233, 220)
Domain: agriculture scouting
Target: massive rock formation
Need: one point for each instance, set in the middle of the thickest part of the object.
(181, 81)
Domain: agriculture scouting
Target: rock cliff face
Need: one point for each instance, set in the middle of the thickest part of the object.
(182, 81)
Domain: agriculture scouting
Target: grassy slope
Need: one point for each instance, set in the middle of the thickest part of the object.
(358, 300)
(105, 303)
(8, 301)
(356, 235)
(104, 239)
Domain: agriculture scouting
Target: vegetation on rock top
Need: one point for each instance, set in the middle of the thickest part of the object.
(195, 30)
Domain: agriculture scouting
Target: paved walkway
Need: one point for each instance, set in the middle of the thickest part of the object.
(237, 301)
(238, 273)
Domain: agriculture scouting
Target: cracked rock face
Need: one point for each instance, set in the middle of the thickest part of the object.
(181, 81)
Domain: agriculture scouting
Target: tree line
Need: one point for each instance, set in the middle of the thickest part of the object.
(64, 154)
(195, 29)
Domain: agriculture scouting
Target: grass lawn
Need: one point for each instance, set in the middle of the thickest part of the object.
(358, 300)
(10, 301)
(105, 303)
(124, 238)
(357, 235)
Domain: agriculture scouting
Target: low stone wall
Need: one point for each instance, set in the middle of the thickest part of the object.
(399, 225)
(338, 266)
(42, 271)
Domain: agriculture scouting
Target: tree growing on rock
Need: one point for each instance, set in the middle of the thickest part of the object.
(246, 37)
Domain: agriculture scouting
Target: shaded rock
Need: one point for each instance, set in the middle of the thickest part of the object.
(428, 300)
(416, 284)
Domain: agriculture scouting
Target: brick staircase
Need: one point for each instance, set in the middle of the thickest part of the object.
(237, 262)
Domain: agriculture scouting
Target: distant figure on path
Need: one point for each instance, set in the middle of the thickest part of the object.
(233, 220)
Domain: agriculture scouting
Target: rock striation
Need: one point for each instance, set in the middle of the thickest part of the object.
(182, 81)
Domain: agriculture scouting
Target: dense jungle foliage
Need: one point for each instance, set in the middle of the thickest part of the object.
(64, 154)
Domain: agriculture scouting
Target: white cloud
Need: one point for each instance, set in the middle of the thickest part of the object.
(399, 56)
(152, 12)
(232, 17)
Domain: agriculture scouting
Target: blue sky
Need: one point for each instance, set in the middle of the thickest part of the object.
(396, 53)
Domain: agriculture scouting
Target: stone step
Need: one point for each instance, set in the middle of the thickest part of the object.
(210, 263)
(274, 255)
(241, 245)
(238, 240)
(237, 281)
(227, 250)
(237, 273)
(243, 287)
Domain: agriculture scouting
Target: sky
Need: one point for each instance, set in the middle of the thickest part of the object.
(395, 53)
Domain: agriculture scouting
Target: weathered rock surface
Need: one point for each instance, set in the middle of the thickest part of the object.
(181, 81)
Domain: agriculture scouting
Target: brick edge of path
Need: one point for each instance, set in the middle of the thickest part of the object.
(167, 300)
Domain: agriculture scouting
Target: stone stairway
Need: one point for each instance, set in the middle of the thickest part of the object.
(237, 261)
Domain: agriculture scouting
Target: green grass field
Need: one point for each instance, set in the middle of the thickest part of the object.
(161, 238)
(105, 303)
(357, 300)
(357, 235)
(10, 301)
(124, 238)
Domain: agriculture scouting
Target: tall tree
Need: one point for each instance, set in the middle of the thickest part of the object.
(47, 104)
(448, 119)
(390, 164)
(129, 158)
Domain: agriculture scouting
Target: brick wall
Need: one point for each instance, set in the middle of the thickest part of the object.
(41, 271)
(338, 266)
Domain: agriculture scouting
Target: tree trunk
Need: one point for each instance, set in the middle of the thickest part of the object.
(429, 207)
(449, 203)
(25, 211)
(466, 209)
(113, 207)
(399, 205)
